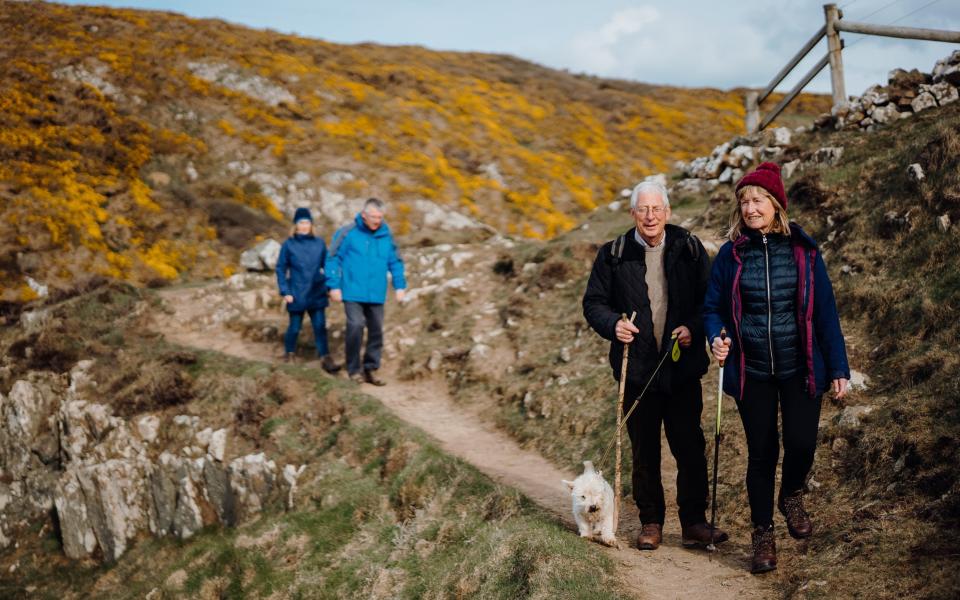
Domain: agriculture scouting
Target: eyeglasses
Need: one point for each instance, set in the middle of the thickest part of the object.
(645, 210)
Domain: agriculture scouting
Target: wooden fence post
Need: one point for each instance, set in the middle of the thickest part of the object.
(753, 111)
(835, 52)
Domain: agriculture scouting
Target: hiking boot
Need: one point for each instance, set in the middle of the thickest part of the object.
(651, 536)
(764, 549)
(329, 365)
(371, 378)
(356, 377)
(289, 358)
(798, 521)
(699, 535)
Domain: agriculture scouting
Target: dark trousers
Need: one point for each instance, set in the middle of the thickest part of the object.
(319, 322)
(360, 315)
(800, 416)
(679, 413)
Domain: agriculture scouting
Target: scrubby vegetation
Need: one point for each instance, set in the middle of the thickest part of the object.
(379, 512)
(104, 110)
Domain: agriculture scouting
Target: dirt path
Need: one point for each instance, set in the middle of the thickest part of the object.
(669, 572)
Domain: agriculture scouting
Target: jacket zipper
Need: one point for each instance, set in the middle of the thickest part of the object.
(766, 259)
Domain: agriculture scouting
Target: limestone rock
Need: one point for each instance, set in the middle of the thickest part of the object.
(217, 446)
(915, 173)
(943, 223)
(252, 478)
(254, 86)
(943, 92)
(885, 114)
(262, 257)
(789, 168)
(948, 69)
(851, 417)
(922, 102)
(782, 136)
(829, 155)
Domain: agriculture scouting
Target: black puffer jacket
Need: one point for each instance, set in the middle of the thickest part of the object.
(614, 289)
(768, 287)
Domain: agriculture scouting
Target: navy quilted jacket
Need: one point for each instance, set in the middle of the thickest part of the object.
(823, 353)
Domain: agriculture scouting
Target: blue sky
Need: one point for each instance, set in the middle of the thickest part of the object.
(689, 43)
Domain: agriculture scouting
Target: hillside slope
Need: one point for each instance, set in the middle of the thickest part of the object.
(884, 491)
(141, 145)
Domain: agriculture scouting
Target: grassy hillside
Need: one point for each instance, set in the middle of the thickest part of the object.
(885, 491)
(380, 512)
(142, 145)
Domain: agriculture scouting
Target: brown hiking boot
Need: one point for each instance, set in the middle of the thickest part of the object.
(651, 536)
(329, 365)
(290, 358)
(356, 377)
(764, 550)
(371, 378)
(699, 535)
(798, 521)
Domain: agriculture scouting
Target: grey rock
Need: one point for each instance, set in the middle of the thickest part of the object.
(915, 173)
(789, 168)
(79, 541)
(851, 417)
(943, 223)
(262, 257)
(254, 86)
(943, 92)
(885, 114)
(948, 69)
(187, 518)
(829, 155)
(742, 156)
(252, 478)
(782, 136)
(923, 102)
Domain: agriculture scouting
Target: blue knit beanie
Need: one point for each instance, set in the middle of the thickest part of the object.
(302, 213)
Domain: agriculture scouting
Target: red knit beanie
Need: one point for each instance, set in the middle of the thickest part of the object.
(767, 176)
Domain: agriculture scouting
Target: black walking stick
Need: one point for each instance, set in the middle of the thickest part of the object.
(716, 450)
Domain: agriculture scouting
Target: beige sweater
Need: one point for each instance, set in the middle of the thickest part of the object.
(656, 287)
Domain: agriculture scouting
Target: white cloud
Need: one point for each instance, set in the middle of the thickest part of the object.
(596, 50)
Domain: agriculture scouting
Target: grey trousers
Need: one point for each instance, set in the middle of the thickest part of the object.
(360, 315)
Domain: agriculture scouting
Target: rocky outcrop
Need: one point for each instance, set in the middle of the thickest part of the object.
(105, 478)
(906, 93)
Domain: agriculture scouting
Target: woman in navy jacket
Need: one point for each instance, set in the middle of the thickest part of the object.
(302, 283)
(769, 289)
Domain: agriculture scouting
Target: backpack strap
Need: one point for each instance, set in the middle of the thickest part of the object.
(338, 237)
(616, 250)
(693, 246)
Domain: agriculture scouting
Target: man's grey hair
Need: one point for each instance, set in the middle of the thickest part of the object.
(375, 203)
(649, 187)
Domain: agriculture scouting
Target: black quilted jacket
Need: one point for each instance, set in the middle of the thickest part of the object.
(617, 287)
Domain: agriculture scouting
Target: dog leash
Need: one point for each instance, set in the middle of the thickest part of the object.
(673, 351)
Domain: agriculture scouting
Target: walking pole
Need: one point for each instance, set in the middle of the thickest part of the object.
(716, 450)
(623, 385)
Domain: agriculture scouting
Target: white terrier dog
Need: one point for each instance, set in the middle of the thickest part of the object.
(593, 505)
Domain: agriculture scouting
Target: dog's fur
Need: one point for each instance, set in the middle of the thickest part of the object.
(593, 507)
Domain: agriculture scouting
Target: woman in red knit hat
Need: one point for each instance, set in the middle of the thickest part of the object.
(769, 288)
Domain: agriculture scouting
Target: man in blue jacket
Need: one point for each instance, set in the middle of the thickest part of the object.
(361, 254)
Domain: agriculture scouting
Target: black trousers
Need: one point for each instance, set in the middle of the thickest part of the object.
(362, 315)
(801, 417)
(679, 414)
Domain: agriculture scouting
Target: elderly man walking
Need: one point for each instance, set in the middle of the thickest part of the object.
(661, 272)
(361, 255)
